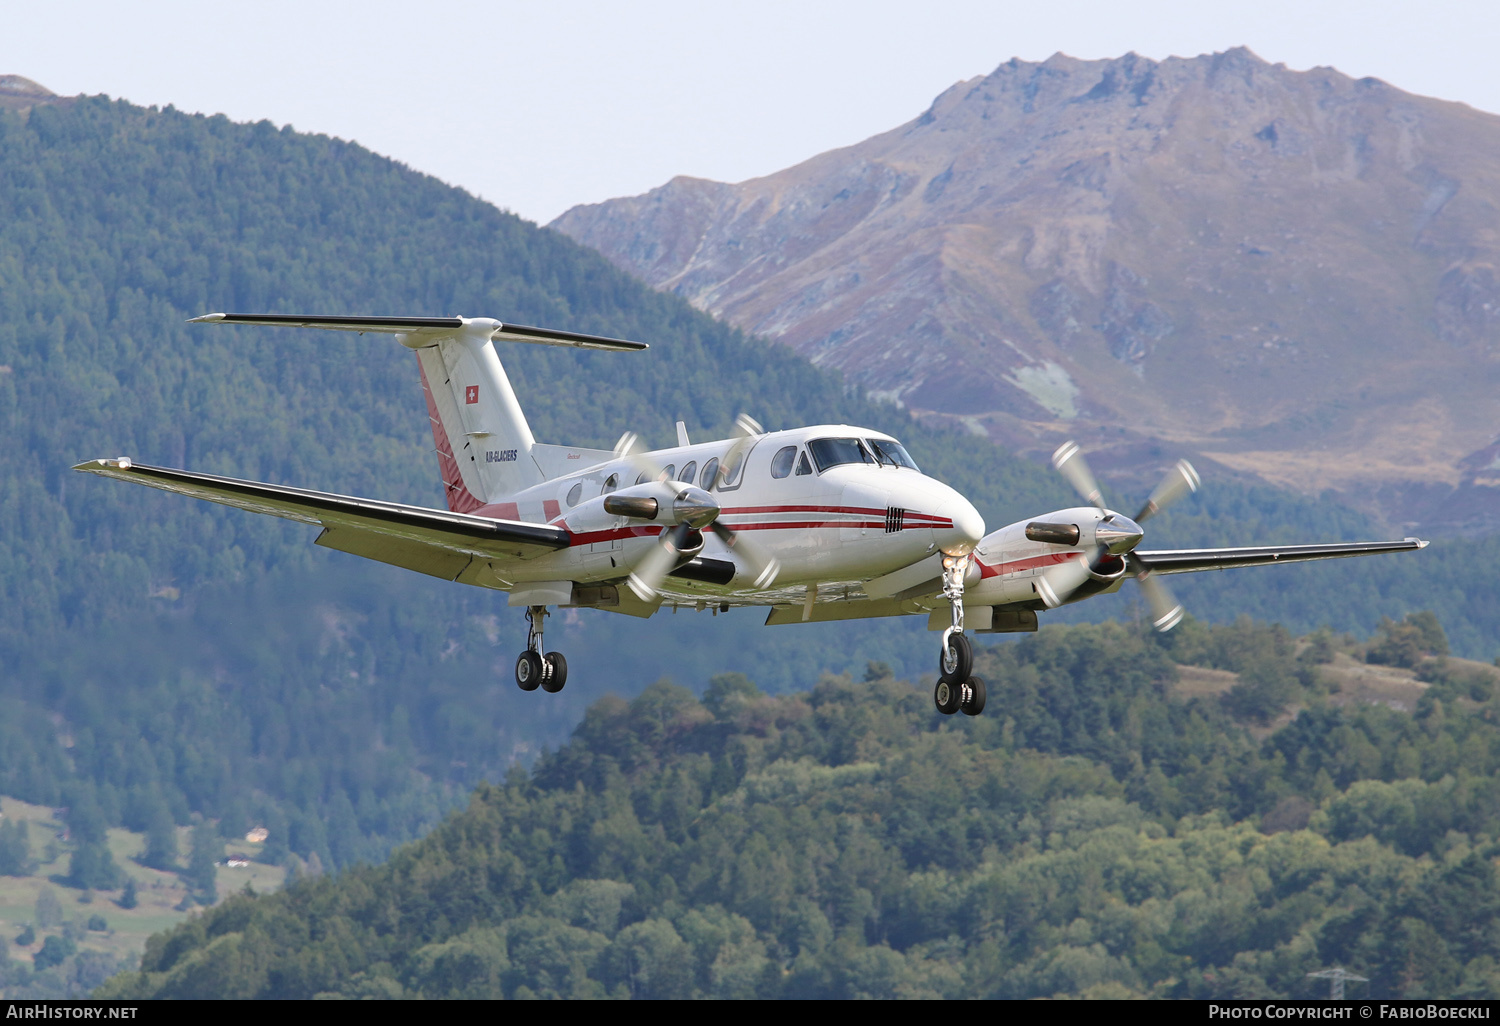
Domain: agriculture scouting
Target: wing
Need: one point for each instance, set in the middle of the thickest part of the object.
(430, 541)
(1184, 561)
(435, 326)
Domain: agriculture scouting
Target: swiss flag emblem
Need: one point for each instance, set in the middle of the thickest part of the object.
(471, 394)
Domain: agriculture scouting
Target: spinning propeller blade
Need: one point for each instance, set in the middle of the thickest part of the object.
(1180, 480)
(1068, 460)
(765, 567)
(659, 562)
(1062, 580)
(1166, 612)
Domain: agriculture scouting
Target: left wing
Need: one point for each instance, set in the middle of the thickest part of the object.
(1184, 561)
(430, 541)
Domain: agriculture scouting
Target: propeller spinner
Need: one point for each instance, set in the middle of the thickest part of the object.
(1114, 535)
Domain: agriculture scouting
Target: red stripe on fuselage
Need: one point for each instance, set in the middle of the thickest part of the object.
(592, 537)
(865, 511)
(1015, 566)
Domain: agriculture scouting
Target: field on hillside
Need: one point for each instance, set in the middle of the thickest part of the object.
(101, 947)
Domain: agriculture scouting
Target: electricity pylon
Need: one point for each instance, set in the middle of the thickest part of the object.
(1336, 978)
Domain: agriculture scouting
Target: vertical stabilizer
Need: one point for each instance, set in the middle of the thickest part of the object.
(483, 442)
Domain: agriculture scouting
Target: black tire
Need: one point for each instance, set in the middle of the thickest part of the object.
(553, 682)
(528, 671)
(947, 696)
(973, 705)
(956, 661)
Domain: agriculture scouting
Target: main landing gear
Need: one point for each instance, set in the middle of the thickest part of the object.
(534, 670)
(957, 687)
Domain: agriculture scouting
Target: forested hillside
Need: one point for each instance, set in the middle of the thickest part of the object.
(167, 658)
(1105, 833)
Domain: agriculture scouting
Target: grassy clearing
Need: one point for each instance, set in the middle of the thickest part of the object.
(160, 895)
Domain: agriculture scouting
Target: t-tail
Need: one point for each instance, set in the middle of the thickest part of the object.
(485, 447)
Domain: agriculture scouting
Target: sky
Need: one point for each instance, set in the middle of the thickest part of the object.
(540, 106)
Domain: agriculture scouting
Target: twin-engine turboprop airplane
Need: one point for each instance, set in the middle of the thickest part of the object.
(819, 523)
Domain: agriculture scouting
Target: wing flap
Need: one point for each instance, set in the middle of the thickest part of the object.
(418, 527)
(1183, 561)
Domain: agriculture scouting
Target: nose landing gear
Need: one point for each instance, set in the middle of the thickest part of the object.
(957, 688)
(533, 669)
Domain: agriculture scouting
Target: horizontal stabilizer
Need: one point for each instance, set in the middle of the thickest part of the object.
(437, 327)
(1182, 561)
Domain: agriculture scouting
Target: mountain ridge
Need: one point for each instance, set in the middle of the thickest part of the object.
(1291, 273)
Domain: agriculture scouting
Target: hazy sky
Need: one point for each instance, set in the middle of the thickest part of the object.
(538, 106)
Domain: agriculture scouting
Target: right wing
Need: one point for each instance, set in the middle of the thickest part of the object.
(1183, 561)
(430, 541)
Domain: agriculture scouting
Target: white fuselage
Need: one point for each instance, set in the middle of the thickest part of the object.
(844, 523)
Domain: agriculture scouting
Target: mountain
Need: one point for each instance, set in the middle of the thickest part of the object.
(163, 658)
(1292, 274)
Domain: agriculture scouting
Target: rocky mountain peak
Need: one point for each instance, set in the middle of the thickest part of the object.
(1290, 272)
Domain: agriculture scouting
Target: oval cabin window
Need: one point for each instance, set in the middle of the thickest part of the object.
(781, 463)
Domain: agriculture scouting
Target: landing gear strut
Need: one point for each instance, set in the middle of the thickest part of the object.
(533, 669)
(957, 688)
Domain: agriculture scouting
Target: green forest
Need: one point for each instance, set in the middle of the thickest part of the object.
(165, 661)
(1100, 835)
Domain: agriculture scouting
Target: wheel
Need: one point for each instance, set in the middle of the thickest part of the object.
(973, 703)
(956, 661)
(528, 670)
(558, 676)
(947, 697)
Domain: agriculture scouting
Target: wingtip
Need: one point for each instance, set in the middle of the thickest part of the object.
(1421, 543)
(209, 318)
(95, 466)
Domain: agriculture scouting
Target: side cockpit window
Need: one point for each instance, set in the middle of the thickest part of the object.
(781, 463)
(803, 466)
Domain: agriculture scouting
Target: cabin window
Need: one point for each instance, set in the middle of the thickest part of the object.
(610, 484)
(781, 463)
(689, 471)
(669, 472)
(710, 474)
(575, 493)
(731, 474)
(891, 453)
(835, 452)
(645, 476)
(803, 467)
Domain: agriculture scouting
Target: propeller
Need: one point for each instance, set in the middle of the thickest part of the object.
(691, 510)
(1114, 536)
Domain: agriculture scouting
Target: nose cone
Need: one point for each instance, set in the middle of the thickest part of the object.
(1118, 534)
(967, 529)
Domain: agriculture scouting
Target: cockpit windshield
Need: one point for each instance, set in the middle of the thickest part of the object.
(835, 452)
(891, 453)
